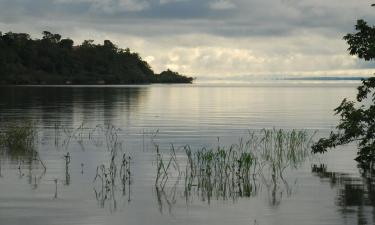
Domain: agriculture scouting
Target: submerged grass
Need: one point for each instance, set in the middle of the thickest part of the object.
(18, 137)
(18, 140)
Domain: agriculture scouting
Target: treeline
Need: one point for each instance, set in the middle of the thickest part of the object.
(53, 60)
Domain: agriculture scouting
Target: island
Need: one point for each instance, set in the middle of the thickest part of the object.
(56, 61)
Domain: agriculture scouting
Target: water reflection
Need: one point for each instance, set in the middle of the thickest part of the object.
(67, 172)
(355, 195)
(64, 105)
(167, 197)
(186, 115)
(33, 172)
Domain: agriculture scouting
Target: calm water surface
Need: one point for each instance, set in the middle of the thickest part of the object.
(327, 189)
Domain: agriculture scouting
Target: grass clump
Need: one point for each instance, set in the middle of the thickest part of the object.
(18, 141)
(18, 137)
(240, 169)
(221, 172)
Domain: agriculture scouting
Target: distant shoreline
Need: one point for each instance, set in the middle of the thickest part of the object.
(325, 78)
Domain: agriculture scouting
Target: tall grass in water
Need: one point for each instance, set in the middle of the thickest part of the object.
(166, 168)
(220, 172)
(18, 140)
(18, 137)
(118, 168)
(240, 169)
(279, 150)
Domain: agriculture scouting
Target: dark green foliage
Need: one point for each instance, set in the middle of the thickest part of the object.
(53, 60)
(362, 43)
(357, 118)
(172, 77)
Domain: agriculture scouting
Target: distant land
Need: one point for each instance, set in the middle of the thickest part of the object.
(53, 60)
(276, 78)
(325, 78)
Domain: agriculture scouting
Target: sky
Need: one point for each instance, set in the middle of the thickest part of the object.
(209, 39)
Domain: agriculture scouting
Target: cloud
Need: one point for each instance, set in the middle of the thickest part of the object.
(203, 38)
(109, 6)
(222, 5)
(171, 1)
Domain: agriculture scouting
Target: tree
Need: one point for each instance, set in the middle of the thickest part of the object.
(109, 45)
(67, 43)
(54, 38)
(53, 60)
(357, 121)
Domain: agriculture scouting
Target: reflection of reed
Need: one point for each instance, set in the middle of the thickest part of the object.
(167, 196)
(106, 190)
(107, 176)
(125, 175)
(67, 173)
(55, 188)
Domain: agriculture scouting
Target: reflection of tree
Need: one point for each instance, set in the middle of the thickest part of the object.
(45, 104)
(354, 194)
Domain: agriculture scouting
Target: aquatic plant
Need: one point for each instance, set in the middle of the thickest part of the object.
(18, 140)
(63, 135)
(18, 137)
(107, 177)
(67, 159)
(117, 170)
(106, 190)
(220, 172)
(238, 170)
(125, 173)
(163, 166)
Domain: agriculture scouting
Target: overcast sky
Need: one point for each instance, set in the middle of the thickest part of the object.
(208, 38)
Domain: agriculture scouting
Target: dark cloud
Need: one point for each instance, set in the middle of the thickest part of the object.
(228, 18)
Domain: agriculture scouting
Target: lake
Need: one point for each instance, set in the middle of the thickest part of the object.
(82, 120)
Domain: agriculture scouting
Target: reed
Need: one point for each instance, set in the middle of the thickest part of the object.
(18, 140)
(237, 170)
(19, 137)
(118, 170)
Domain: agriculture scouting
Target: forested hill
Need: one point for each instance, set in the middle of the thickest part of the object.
(53, 60)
